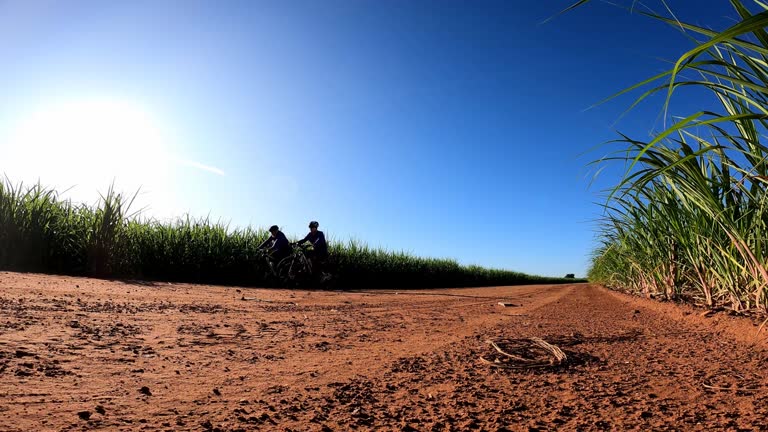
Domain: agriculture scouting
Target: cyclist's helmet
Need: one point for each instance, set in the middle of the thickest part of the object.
(314, 224)
(274, 228)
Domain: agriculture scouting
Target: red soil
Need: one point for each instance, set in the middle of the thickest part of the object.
(83, 354)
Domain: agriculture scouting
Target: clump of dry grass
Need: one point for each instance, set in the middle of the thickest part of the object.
(529, 353)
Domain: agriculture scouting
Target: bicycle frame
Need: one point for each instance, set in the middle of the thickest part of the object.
(296, 268)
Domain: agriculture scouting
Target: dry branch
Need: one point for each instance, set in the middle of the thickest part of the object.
(524, 354)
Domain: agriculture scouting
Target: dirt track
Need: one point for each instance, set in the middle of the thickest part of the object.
(221, 358)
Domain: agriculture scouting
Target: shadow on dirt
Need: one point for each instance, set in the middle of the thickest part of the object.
(578, 339)
(577, 358)
(139, 282)
(411, 293)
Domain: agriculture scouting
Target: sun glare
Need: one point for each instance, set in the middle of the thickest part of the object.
(88, 145)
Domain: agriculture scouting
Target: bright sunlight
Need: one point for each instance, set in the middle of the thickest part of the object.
(86, 145)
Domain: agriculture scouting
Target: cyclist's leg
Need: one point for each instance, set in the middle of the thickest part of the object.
(310, 254)
(273, 261)
(281, 255)
(321, 268)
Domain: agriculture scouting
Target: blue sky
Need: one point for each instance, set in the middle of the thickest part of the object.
(449, 129)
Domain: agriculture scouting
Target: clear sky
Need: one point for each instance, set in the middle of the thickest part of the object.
(448, 128)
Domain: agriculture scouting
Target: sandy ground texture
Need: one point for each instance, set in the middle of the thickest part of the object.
(86, 354)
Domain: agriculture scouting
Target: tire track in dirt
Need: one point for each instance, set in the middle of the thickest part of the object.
(634, 369)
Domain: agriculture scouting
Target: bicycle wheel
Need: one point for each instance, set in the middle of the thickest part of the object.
(286, 272)
(294, 271)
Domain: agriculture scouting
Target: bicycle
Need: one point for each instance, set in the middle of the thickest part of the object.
(265, 267)
(295, 269)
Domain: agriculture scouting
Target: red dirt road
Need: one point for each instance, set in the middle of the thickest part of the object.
(85, 354)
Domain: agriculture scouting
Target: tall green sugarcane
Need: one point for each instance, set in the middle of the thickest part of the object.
(695, 193)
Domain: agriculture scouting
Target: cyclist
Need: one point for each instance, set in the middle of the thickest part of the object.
(319, 253)
(277, 244)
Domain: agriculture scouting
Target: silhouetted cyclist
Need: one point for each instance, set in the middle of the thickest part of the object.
(319, 253)
(277, 244)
